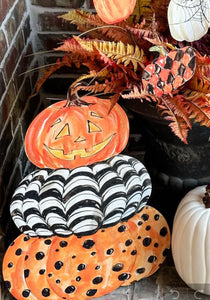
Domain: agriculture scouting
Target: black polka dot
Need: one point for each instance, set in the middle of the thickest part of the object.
(50, 275)
(10, 265)
(122, 228)
(88, 244)
(156, 245)
(48, 242)
(63, 244)
(26, 238)
(163, 231)
(58, 281)
(12, 244)
(26, 293)
(157, 217)
(97, 280)
(7, 285)
(124, 276)
(40, 255)
(134, 252)
(110, 251)
(128, 242)
(78, 278)
(165, 252)
(46, 292)
(97, 267)
(140, 223)
(152, 259)
(57, 250)
(139, 237)
(26, 273)
(140, 270)
(147, 241)
(73, 256)
(124, 251)
(91, 292)
(148, 228)
(81, 267)
(118, 267)
(42, 271)
(58, 265)
(70, 289)
(18, 252)
(145, 217)
(93, 253)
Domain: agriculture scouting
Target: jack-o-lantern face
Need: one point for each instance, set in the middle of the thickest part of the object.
(77, 135)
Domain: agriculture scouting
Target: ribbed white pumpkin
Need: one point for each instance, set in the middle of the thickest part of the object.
(188, 20)
(191, 241)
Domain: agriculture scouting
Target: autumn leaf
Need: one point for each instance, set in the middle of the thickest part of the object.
(119, 52)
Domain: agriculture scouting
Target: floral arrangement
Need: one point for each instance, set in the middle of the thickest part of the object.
(133, 59)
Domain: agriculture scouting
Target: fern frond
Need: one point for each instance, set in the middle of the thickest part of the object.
(201, 79)
(96, 28)
(119, 52)
(80, 17)
(198, 109)
(137, 93)
(199, 83)
(70, 45)
(172, 112)
(60, 62)
(107, 87)
(182, 108)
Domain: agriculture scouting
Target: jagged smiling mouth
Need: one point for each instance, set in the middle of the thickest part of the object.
(59, 153)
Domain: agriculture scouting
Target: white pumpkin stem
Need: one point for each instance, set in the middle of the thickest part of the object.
(206, 198)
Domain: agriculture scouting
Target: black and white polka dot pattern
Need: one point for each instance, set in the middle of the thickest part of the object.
(81, 200)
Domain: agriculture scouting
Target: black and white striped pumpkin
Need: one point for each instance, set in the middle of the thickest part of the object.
(81, 200)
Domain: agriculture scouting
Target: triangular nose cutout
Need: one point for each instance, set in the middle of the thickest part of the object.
(80, 139)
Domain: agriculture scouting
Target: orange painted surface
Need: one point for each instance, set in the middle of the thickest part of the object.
(113, 11)
(69, 137)
(88, 266)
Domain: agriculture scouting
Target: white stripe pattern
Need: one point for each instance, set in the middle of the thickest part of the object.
(82, 200)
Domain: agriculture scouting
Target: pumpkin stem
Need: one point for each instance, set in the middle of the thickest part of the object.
(73, 99)
(206, 198)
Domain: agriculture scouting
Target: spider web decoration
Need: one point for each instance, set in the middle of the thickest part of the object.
(188, 20)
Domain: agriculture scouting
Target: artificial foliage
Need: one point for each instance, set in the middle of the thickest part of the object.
(118, 54)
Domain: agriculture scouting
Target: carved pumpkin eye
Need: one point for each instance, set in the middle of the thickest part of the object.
(56, 122)
(93, 127)
(64, 132)
(94, 114)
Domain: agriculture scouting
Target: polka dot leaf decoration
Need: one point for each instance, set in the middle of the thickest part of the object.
(90, 266)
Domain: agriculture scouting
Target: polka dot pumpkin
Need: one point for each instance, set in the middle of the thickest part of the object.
(90, 266)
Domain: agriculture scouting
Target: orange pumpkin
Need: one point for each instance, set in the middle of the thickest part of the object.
(113, 11)
(87, 266)
(71, 136)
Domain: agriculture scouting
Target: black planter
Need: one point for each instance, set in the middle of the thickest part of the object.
(175, 168)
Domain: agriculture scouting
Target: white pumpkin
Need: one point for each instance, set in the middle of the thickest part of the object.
(191, 240)
(188, 20)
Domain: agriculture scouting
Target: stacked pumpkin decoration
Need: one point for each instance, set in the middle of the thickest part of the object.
(86, 228)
